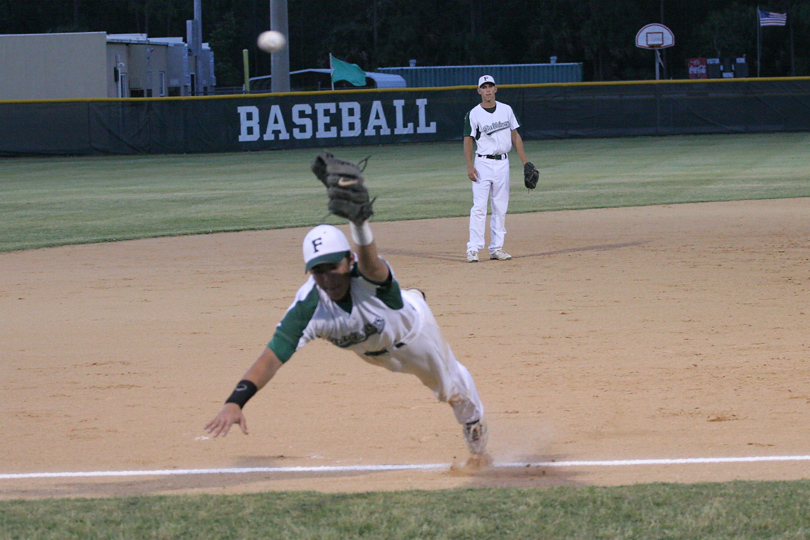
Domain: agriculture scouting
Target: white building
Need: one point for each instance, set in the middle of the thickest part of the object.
(96, 65)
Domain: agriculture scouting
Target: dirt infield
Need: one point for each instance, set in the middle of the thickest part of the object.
(646, 333)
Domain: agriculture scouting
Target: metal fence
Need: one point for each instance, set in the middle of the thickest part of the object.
(441, 76)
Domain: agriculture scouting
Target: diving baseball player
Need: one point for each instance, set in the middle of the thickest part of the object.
(355, 302)
(491, 127)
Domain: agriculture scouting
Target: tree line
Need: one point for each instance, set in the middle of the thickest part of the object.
(387, 33)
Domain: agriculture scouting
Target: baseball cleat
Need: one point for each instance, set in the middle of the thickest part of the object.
(475, 435)
(500, 255)
(472, 256)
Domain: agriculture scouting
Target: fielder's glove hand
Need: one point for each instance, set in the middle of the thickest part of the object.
(348, 196)
(530, 175)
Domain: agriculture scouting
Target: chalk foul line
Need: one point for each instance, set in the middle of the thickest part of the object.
(402, 467)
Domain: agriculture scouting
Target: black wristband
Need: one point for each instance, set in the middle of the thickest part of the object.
(242, 393)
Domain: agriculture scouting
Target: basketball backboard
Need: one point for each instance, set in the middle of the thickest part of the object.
(655, 36)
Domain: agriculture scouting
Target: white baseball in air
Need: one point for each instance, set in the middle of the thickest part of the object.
(271, 41)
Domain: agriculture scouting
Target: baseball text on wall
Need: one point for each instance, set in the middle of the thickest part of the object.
(334, 119)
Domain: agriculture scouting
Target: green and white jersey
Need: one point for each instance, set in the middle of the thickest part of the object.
(375, 320)
(386, 327)
(491, 128)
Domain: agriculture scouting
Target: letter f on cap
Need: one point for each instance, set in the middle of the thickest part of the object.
(324, 244)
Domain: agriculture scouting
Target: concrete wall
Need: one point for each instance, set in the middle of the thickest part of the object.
(53, 66)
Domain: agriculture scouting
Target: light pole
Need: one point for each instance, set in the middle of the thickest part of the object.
(194, 37)
(664, 53)
(149, 51)
(280, 61)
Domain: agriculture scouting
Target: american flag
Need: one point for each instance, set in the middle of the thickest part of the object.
(769, 18)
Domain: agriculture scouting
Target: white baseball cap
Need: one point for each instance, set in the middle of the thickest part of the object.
(485, 79)
(324, 244)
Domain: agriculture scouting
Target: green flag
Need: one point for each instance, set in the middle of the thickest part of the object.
(344, 71)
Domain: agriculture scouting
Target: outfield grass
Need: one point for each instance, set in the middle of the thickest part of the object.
(57, 201)
(73, 200)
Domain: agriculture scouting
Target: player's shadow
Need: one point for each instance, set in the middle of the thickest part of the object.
(456, 257)
(169, 484)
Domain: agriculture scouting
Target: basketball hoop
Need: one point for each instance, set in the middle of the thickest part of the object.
(654, 37)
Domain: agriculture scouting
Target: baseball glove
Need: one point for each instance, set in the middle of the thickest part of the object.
(530, 175)
(348, 196)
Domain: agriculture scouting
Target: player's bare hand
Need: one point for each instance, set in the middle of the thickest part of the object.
(229, 415)
(472, 174)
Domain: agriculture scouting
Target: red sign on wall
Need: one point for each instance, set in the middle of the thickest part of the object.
(697, 68)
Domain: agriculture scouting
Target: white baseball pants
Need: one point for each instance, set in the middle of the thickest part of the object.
(492, 185)
(427, 355)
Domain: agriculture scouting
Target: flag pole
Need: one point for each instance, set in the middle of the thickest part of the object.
(331, 72)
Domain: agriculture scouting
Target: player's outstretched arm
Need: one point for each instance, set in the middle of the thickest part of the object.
(368, 258)
(254, 379)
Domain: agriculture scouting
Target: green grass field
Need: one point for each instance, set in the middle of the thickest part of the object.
(72, 200)
(732, 510)
(57, 201)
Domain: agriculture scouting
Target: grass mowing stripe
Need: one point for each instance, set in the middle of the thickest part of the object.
(71, 200)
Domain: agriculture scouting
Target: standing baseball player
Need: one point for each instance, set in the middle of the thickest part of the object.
(355, 302)
(491, 127)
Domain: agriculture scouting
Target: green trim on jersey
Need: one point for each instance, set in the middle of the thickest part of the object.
(291, 327)
(289, 331)
(390, 293)
(467, 126)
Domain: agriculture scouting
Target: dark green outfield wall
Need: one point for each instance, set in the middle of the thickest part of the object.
(363, 117)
